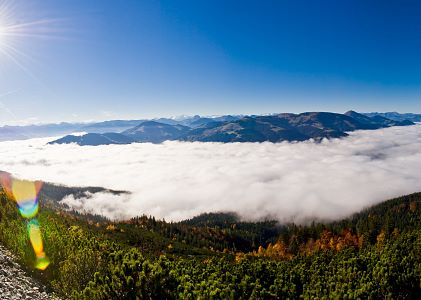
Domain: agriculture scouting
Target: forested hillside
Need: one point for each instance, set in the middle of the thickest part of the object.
(373, 254)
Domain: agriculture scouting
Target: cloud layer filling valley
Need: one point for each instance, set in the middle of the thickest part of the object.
(177, 180)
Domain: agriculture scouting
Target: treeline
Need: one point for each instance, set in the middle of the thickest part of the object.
(372, 255)
(53, 193)
(372, 226)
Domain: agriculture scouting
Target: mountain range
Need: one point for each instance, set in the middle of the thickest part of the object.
(155, 132)
(227, 129)
(396, 116)
(8, 133)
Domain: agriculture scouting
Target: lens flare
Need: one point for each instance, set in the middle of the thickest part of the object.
(42, 263)
(35, 237)
(25, 193)
(14, 27)
(29, 209)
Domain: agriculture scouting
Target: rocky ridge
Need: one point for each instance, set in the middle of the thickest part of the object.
(15, 284)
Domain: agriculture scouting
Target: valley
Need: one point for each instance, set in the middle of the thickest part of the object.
(210, 150)
(372, 254)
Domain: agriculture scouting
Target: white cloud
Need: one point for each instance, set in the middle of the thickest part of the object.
(101, 203)
(176, 180)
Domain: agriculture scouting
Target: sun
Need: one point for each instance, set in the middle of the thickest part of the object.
(20, 28)
(8, 31)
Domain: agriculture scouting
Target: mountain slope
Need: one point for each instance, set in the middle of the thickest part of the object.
(286, 127)
(95, 139)
(397, 116)
(15, 284)
(8, 133)
(33, 131)
(110, 126)
(363, 119)
(388, 122)
(227, 129)
(371, 255)
(248, 129)
(155, 132)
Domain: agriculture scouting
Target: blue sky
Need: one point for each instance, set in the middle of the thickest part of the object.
(103, 59)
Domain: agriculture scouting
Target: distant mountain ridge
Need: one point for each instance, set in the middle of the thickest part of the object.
(95, 139)
(377, 121)
(155, 132)
(287, 127)
(228, 129)
(8, 133)
(117, 126)
(396, 116)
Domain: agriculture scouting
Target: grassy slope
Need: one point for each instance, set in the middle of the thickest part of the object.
(212, 256)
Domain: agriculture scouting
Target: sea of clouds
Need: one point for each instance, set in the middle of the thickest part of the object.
(179, 180)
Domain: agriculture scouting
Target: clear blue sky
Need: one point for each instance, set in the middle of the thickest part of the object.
(106, 59)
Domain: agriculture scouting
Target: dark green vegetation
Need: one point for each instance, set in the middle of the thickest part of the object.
(372, 255)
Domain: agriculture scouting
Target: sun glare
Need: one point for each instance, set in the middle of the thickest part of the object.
(3, 25)
(19, 25)
(2, 34)
(8, 34)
